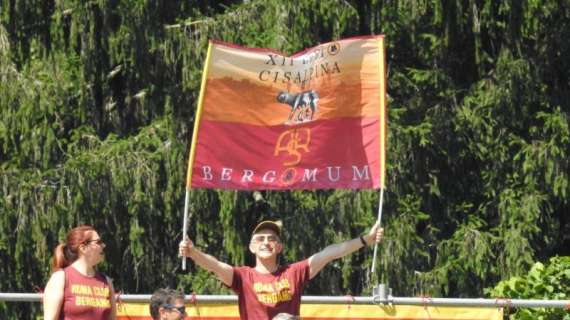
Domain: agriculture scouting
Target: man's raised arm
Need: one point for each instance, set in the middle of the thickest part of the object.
(319, 260)
(222, 270)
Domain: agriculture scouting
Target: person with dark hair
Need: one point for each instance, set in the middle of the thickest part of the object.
(75, 290)
(269, 288)
(167, 304)
(285, 316)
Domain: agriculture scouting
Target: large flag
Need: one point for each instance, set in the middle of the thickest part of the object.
(229, 311)
(314, 120)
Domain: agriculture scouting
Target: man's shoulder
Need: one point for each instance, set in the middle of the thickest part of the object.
(242, 269)
(298, 265)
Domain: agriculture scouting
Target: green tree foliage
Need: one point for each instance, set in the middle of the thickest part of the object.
(97, 102)
(550, 281)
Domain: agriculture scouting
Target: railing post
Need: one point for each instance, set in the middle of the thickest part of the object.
(382, 293)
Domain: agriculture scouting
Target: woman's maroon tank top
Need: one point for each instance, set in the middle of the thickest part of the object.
(85, 297)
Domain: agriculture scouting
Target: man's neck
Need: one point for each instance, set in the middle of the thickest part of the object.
(266, 266)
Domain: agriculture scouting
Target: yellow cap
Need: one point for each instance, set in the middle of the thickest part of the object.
(271, 225)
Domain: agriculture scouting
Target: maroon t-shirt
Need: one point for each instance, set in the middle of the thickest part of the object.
(262, 296)
(85, 298)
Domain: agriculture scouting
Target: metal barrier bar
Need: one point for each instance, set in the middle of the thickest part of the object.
(419, 301)
(458, 302)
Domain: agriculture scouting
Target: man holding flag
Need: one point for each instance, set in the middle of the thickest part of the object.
(266, 121)
(269, 288)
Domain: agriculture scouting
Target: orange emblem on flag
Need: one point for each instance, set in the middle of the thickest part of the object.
(293, 142)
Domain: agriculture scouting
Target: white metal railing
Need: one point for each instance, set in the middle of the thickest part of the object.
(377, 299)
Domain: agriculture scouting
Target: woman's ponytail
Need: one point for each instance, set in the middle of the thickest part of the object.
(59, 261)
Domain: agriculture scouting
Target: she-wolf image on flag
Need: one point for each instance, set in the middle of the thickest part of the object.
(313, 120)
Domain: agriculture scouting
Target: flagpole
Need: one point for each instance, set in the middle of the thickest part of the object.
(382, 142)
(185, 224)
(197, 119)
(379, 220)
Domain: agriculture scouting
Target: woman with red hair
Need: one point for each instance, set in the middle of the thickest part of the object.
(75, 291)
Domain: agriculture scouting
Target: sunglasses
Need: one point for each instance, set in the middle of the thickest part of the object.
(260, 239)
(99, 242)
(181, 309)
